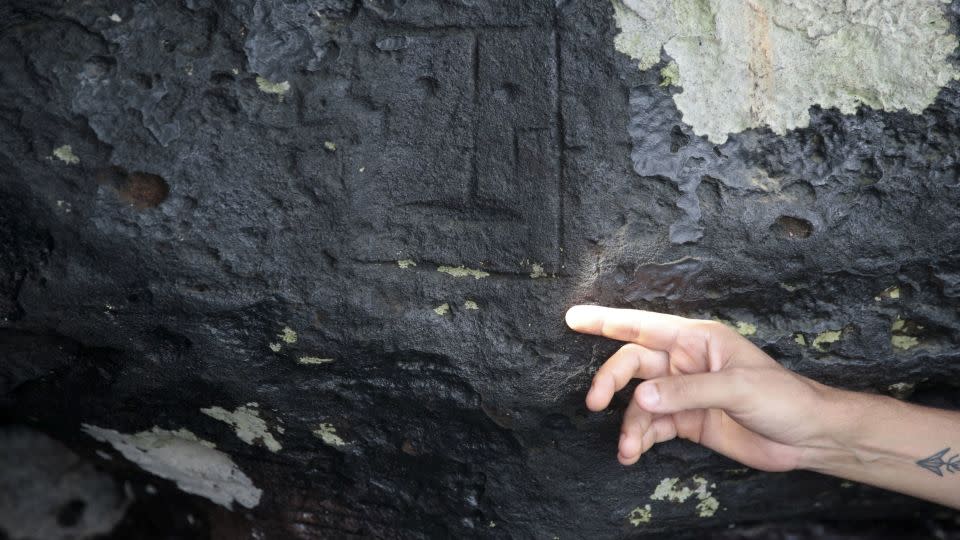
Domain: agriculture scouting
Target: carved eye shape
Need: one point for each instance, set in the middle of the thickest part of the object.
(139, 189)
(792, 227)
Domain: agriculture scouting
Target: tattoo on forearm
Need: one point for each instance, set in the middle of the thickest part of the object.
(936, 463)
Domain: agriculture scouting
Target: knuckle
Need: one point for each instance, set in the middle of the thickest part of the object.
(716, 329)
(632, 350)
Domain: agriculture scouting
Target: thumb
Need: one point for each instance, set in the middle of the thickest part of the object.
(716, 390)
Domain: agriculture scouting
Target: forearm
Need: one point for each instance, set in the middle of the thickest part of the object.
(887, 443)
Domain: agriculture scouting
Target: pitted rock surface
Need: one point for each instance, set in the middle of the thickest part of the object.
(259, 196)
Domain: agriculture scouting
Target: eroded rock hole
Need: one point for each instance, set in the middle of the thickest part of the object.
(139, 189)
(429, 86)
(678, 139)
(70, 514)
(792, 227)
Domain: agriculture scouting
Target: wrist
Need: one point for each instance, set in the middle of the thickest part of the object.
(853, 432)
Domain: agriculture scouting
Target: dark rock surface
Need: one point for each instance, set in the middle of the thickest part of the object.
(243, 177)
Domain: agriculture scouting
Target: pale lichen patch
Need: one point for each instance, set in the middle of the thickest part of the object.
(406, 263)
(900, 337)
(275, 347)
(746, 329)
(536, 271)
(328, 434)
(246, 421)
(276, 88)
(668, 490)
(195, 465)
(65, 154)
(442, 309)
(471, 305)
(640, 515)
(461, 271)
(826, 338)
(314, 360)
(800, 340)
(752, 63)
(330, 146)
(903, 343)
(288, 335)
(115, 18)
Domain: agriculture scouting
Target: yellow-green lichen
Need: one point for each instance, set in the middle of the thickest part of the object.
(900, 337)
(276, 88)
(904, 343)
(670, 75)
(65, 154)
(667, 490)
(708, 506)
(536, 271)
(328, 434)
(330, 145)
(461, 271)
(800, 340)
(406, 263)
(746, 329)
(640, 515)
(247, 424)
(826, 338)
(314, 360)
(442, 309)
(764, 63)
(288, 335)
(470, 304)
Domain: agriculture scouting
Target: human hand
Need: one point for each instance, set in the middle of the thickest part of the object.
(706, 383)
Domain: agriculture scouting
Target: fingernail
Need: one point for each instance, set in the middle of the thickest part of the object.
(649, 395)
(574, 316)
(578, 316)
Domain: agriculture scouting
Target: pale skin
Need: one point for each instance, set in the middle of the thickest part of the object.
(705, 383)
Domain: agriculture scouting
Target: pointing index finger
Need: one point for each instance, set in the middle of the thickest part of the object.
(647, 328)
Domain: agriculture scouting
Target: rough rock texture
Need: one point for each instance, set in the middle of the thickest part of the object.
(367, 218)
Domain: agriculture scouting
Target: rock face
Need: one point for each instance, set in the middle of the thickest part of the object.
(336, 239)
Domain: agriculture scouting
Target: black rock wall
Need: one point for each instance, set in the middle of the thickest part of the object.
(369, 217)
